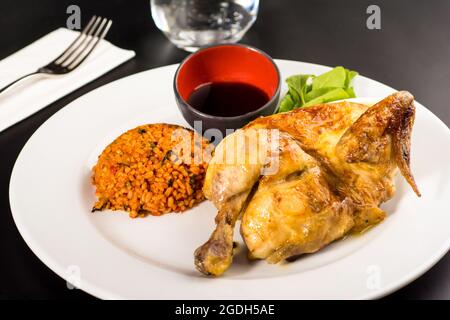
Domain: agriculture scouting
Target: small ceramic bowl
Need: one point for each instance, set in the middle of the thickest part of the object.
(226, 63)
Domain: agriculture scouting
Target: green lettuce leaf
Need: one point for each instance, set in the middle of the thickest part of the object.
(306, 90)
(295, 97)
(286, 104)
(333, 78)
(332, 95)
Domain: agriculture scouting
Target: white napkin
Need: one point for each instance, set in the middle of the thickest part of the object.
(37, 92)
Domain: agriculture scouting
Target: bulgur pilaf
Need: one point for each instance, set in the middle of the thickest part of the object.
(152, 169)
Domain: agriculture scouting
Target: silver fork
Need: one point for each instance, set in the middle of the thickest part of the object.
(76, 53)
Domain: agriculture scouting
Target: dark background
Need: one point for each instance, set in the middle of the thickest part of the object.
(411, 51)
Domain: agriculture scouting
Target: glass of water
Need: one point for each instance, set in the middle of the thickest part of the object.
(192, 24)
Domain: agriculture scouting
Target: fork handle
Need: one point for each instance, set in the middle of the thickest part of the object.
(17, 81)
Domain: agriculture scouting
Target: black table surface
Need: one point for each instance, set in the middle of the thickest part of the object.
(411, 51)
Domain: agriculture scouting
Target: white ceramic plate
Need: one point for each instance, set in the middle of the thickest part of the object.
(112, 256)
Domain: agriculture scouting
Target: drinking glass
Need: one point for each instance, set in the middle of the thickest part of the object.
(191, 24)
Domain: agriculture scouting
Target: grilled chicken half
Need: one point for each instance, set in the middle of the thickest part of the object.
(302, 179)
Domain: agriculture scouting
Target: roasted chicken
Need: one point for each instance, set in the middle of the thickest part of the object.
(302, 179)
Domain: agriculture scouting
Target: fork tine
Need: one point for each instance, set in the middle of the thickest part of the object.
(86, 44)
(87, 37)
(81, 35)
(100, 34)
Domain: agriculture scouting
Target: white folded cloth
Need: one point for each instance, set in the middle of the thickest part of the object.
(37, 92)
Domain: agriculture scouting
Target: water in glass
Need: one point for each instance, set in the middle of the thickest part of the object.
(191, 24)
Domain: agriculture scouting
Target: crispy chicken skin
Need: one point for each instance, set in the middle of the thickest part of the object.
(335, 165)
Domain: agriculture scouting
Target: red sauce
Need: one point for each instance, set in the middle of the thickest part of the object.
(227, 99)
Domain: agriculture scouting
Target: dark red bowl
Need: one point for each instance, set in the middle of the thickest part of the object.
(226, 63)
